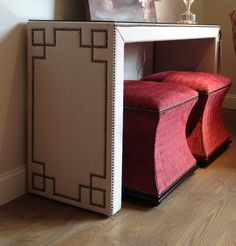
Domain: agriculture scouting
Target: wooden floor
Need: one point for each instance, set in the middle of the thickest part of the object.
(202, 211)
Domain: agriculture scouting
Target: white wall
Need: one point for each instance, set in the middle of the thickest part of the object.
(219, 13)
(13, 17)
(170, 10)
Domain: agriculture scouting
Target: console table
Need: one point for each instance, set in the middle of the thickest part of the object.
(75, 100)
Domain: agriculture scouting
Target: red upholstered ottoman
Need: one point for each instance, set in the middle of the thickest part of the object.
(207, 137)
(156, 156)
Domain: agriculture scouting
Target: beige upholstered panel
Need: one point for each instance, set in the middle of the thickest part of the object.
(70, 127)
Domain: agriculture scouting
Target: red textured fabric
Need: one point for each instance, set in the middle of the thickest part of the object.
(172, 154)
(149, 95)
(155, 149)
(213, 130)
(199, 81)
(205, 128)
(233, 21)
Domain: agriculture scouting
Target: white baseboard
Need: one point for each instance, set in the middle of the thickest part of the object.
(230, 101)
(12, 184)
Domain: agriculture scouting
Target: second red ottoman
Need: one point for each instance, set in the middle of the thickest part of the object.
(156, 156)
(206, 134)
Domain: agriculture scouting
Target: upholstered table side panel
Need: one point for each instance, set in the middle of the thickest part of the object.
(70, 90)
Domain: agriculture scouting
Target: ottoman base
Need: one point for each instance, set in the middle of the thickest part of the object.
(205, 162)
(156, 200)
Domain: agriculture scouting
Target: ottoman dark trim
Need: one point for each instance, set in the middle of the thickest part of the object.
(210, 92)
(206, 161)
(155, 200)
(157, 111)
